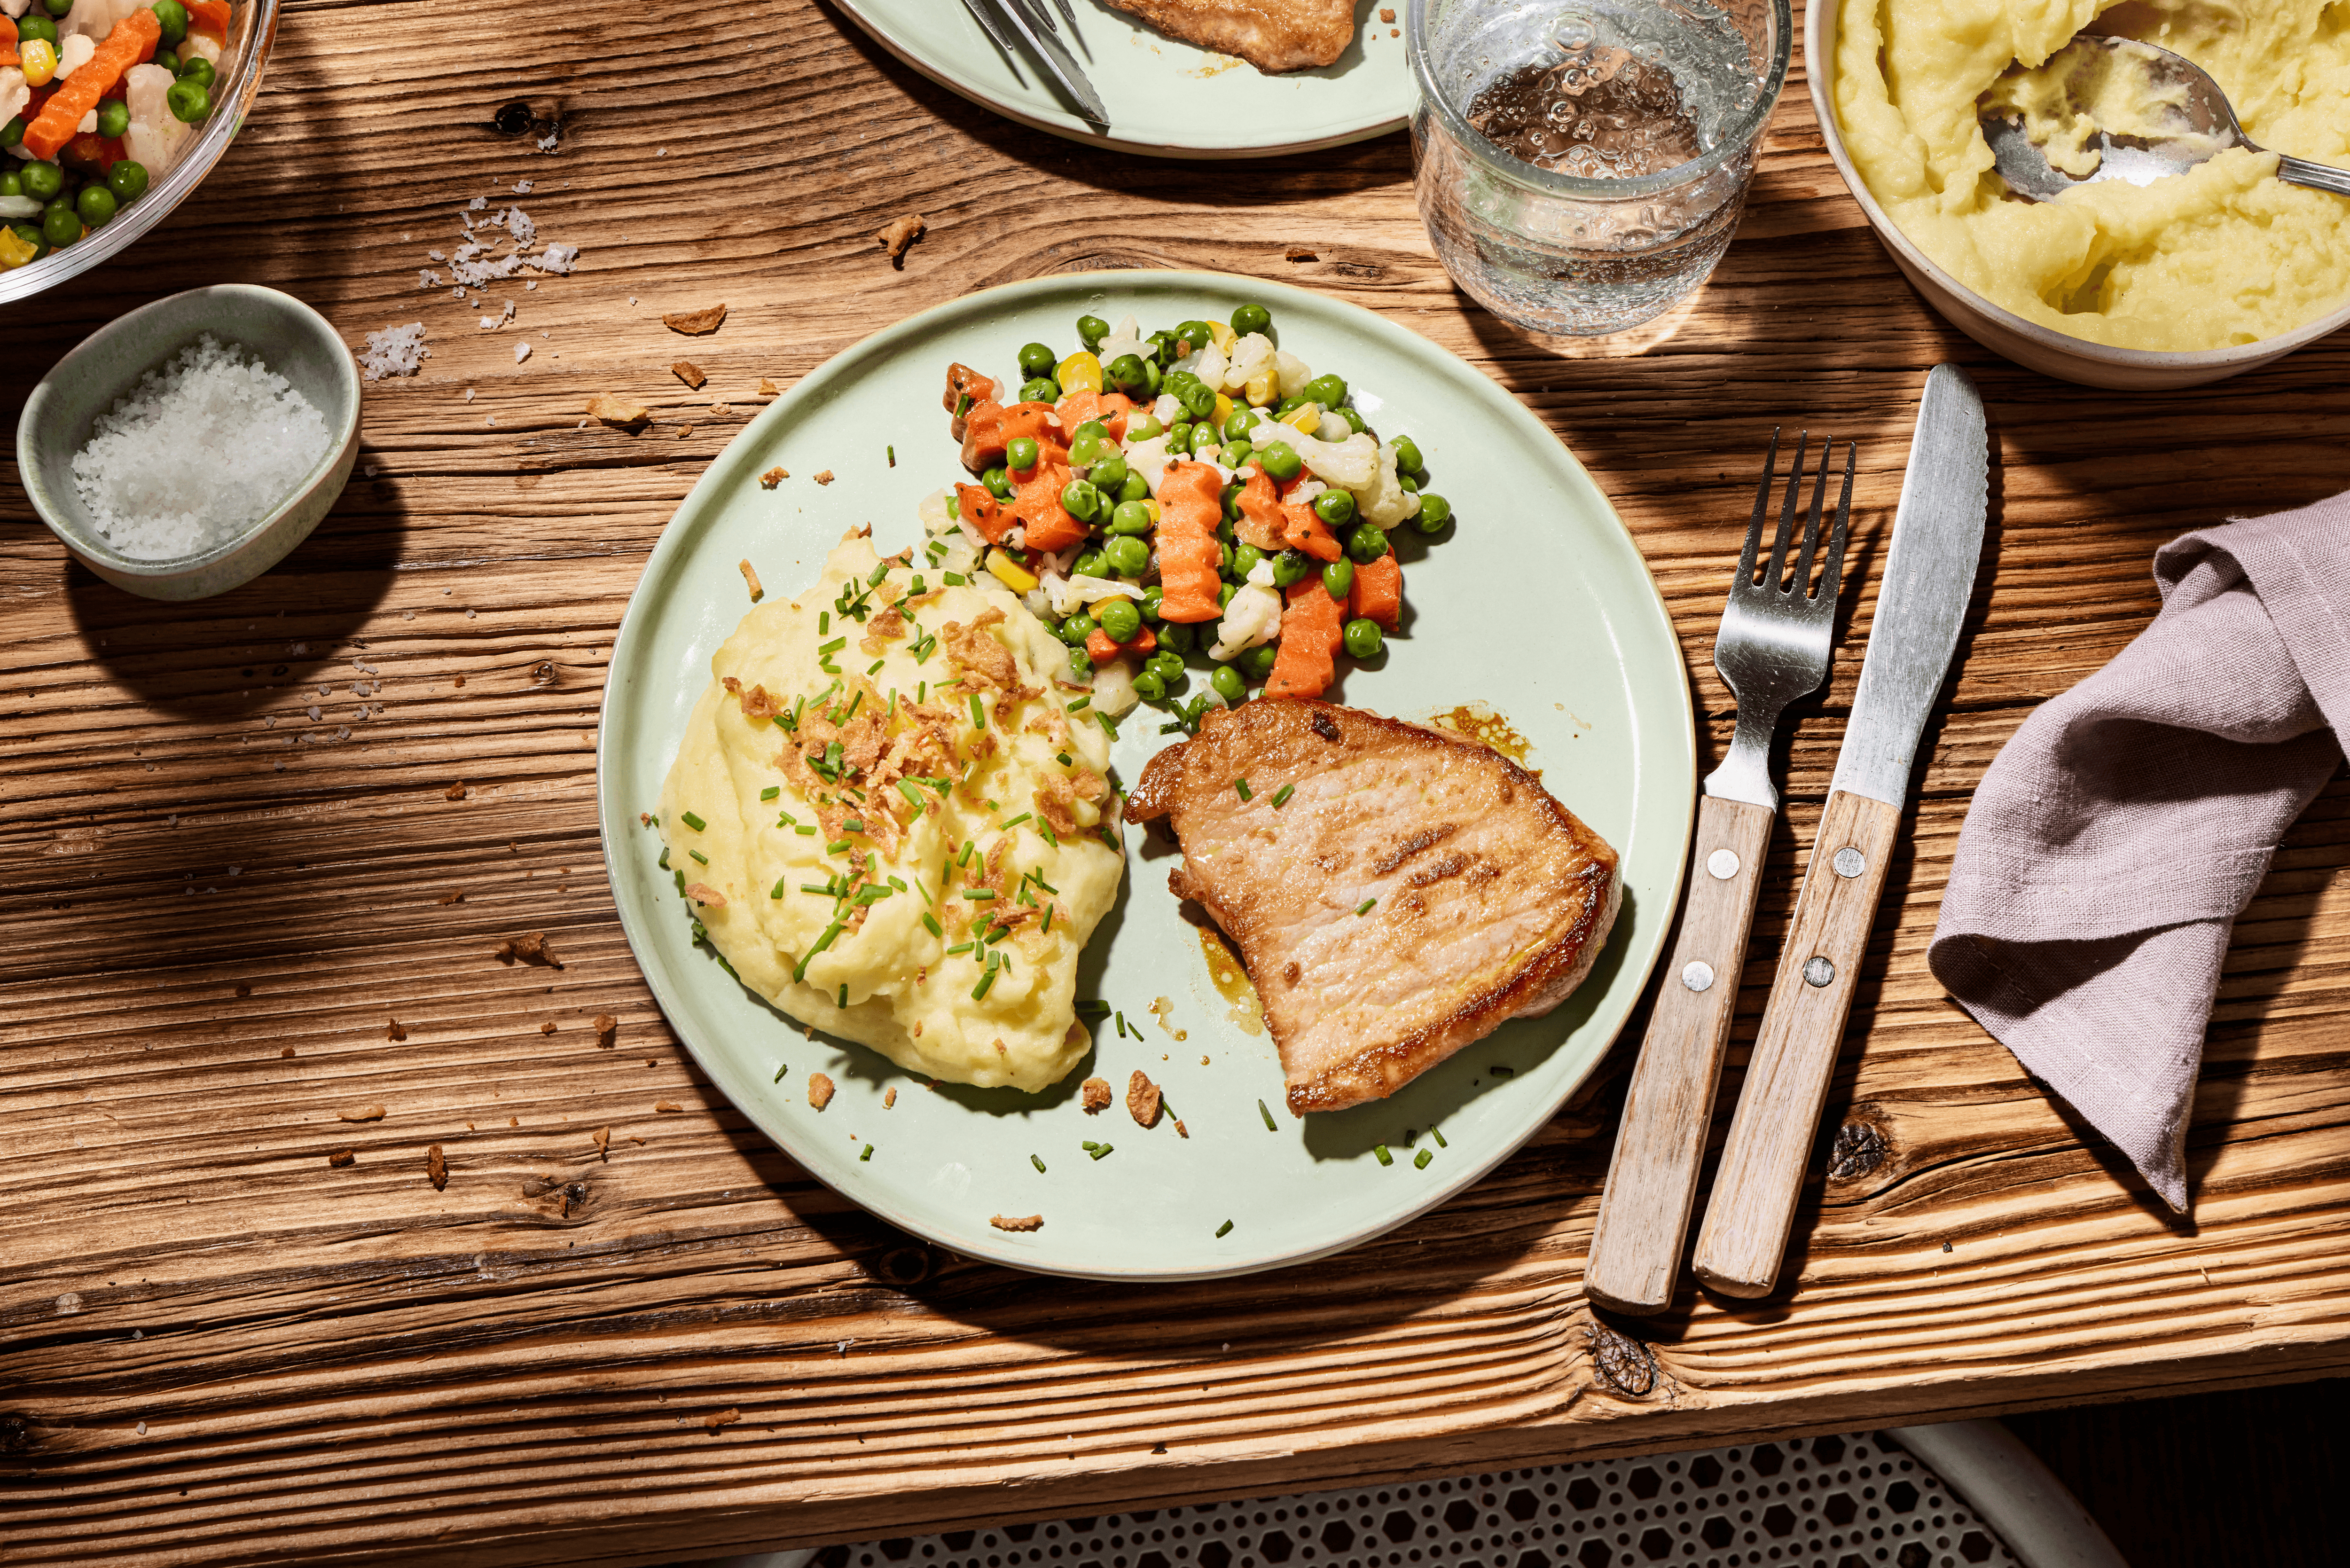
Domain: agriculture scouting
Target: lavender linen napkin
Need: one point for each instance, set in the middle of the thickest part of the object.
(2116, 837)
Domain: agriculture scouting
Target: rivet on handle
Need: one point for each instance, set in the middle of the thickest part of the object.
(1697, 974)
(1850, 862)
(1819, 970)
(1722, 864)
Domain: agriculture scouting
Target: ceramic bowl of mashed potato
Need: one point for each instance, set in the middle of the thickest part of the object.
(2189, 279)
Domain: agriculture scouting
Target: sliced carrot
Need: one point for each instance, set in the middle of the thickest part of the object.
(8, 54)
(1311, 627)
(1190, 505)
(966, 390)
(1302, 528)
(133, 40)
(983, 512)
(90, 154)
(210, 14)
(1111, 408)
(990, 427)
(1378, 591)
(1101, 649)
(1050, 526)
(1260, 519)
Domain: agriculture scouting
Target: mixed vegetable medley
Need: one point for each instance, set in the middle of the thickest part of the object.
(1198, 493)
(98, 99)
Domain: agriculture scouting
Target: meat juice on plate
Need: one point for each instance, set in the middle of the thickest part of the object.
(1540, 108)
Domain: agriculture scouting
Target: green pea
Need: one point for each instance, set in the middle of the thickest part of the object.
(1149, 685)
(188, 101)
(96, 204)
(167, 59)
(1077, 629)
(1338, 578)
(1354, 420)
(1179, 380)
(1121, 621)
(1179, 436)
(1193, 333)
(1244, 561)
(1434, 513)
(127, 178)
(1224, 592)
(1257, 662)
(1197, 397)
(42, 180)
(197, 69)
(1126, 374)
(35, 26)
(1237, 455)
(1170, 665)
(1367, 542)
(11, 183)
(1089, 564)
(1335, 507)
(1251, 318)
(1410, 486)
(1363, 638)
(13, 131)
(61, 8)
(1162, 349)
(1406, 452)
(1290, 567)
(170, 12)
(1086, 450)
(1281, 462)
(1152, 598)
(1228, 683)
(1232, 500)
(1091, 330)
(1134, 487)
(998, 482)
(31, 234)
(60, 224)
(1020, 454)
(1126, 555)
(1037, 360)
(1176, 638)
(1329, 392)
(113, 116)
(1130, 517)
(1242, 420)
(1153, 379)
(1091, 429)
(1142, 426)
(1081, 663)
(1225, 566)
(1204, 436)
(1080, 499)
(1108, 474)
(1044, 390)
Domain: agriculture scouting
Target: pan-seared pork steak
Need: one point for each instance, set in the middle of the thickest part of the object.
(1271, 34)
(1492, 900)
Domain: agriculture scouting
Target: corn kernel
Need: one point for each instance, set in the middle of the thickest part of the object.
(1009, 572)
(15, 250)
(38, 59)
(1154, 510)
(1221, 335)
(1223, 409)
(1305, 417)
(1080, 372)
(1260, 387)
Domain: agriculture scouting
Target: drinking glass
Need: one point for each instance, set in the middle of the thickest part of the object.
(1583, 254)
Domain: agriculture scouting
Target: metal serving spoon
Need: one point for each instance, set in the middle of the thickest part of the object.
(2199, 125)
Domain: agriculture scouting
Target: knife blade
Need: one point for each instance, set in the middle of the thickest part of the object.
(1056, 58)
(1930, 574)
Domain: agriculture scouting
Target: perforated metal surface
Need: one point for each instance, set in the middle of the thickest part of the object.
(1852, 1502)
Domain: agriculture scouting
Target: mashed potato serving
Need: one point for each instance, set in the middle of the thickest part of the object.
(892, 822)
(2221, 255)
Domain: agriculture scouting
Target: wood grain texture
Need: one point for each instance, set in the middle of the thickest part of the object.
(1637, 1237)
(216, 1349)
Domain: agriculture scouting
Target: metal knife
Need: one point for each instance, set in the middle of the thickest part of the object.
(984, 12)
(1930, 573)
(1047, 43)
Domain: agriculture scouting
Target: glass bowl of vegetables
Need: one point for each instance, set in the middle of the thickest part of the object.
(111, 111)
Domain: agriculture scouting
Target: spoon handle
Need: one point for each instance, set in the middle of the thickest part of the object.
(2317, 176)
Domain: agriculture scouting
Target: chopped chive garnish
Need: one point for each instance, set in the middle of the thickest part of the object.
(1267, 1116)
(894, 882)
(777, 890)
(855, 702)
(807, 829)
(770, 792)
(964, 858)
(959, 948)
(978, 714)
(664, 859)
(1122, 1025)
(1381, 1149)
(843, 995)
(1100, 1149)
(1051, 837)
(1364, 907)
(1090, 1145)
(823, 888)
(881, 574)
(781, 1071)
(866, 1155)
(955, 579)
(1047, 926)
(852, 825)
(693, 822)
(1224, 1229)
(924, 892)
(1079, 705)
(978, 894)
(1015, 822)
(980, 991)
(834, 646)
(910, 793)
(699, 856)
(917, 588)
(1420, 1161)
(929, 922)
(1242, 786)
(893, 463)
(875, 667)
(1037, 1163)
(799, 972)
(1499, 1071)
(1283, 794)
(836, 846)
(823, 622)
(1092, 1006)
(1062, 758)
(1109, 724)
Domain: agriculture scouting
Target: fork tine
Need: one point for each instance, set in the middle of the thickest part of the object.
(1761, 511)
(1777, 578)
(1802, 584)
(1832, 575)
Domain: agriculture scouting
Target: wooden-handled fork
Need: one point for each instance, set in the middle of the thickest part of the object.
(1773, 648)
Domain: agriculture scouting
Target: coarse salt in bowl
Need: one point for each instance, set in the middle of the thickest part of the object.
(96, 442)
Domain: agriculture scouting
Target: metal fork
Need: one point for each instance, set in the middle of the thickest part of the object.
(1033, 22)
(1773, 648)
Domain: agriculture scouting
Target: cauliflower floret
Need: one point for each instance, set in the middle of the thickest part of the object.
(1293, 371)
(1335, 428)
(1384, 502)
(156, 137)
(1114, 691)
(1251, 356)
(14, 94)
(1254, 617)
(1068, 593)
(1208, 363)
(74, 50)
(932, 511)
(1348, 464)
(1149, 459)
(1168, 409)
(1125, 338)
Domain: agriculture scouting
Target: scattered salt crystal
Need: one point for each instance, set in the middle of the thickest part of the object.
(458, 295)
(518, 223)
(522, 187)
(204, 445)
(660, 152)
(269, 722)
(395, 351)
(488, 322)
(469, 394)
(469, 615)
(477, 203)
(370, 471)
(430, 255)
(632, 300)
(312, 711)
(490, 420)
(405, 235)
(522, 352)
(557, 258)
(546, 143)
(532, 283)
(542, 334)
(427, 278)
(342, 732)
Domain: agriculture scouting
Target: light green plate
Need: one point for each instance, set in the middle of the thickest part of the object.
(1166, 99)
(1535, 603)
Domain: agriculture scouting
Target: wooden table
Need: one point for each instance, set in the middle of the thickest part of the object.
(219, 1349)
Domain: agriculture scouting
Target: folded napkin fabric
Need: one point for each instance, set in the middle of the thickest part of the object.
(2114, 840)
